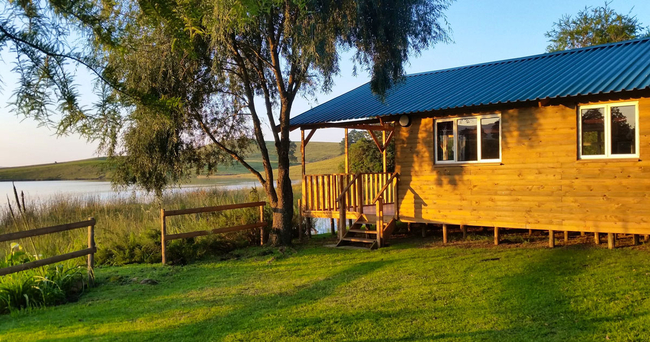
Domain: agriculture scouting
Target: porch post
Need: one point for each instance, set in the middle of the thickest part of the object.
(383, 153)
(347, 154)
(302, 150)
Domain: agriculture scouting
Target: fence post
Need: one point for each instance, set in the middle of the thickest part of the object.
(163, 232)
(91, 256)
(262, 228)
(380, 220)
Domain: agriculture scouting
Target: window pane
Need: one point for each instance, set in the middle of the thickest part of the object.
(467, 140)
(445, 141)
(490, 146)
(593, 131)
(623, 130)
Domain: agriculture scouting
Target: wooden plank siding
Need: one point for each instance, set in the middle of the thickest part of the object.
(539, 184)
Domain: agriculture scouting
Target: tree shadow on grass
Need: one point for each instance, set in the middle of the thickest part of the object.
(247, 313)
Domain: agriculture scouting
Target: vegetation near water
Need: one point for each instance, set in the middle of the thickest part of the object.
(127, 231)
(416, 289)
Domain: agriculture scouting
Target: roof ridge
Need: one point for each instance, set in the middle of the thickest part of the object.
(530, 57)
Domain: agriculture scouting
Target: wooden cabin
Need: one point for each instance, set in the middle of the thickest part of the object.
(558, 142)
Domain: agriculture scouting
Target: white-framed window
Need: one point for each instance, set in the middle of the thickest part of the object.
(469, 139)
(608, 131)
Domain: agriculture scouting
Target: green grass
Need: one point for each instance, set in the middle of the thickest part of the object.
(415, 290)
(98, 168)
(89, 169)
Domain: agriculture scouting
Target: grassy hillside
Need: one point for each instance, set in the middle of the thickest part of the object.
(98, 168)
(416, 290)
(89, 169)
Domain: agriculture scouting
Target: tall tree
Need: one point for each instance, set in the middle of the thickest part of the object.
(593, 26)
(191, 80)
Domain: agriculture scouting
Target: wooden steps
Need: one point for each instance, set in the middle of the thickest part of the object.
(356, 236)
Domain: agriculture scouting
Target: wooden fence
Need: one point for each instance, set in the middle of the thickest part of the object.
(90, 251)
(168, 237)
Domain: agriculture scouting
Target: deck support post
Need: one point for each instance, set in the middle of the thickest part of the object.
(347, 154)
(444, 233)
(635, 239)
(496, 235)
(597, 238)
(342, 209)
(551, 238)
(646, 238)
(530, 232)
(463, 229)
(582, 233)
(611, 241)
(332, 229)
(424, 230)
(566, 236)
(300, 224)
(380, 220)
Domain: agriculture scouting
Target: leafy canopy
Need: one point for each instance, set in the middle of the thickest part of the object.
(594, 26)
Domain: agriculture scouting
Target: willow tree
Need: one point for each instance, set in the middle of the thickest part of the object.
(190, 81)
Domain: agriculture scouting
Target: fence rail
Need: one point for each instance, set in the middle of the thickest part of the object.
(90, 251)
(167, 213)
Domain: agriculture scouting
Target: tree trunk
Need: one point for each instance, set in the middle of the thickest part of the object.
(282, 227)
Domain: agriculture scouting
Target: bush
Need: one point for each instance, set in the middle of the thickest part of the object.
(51, 285)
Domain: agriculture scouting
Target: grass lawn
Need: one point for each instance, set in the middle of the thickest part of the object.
(417, 289)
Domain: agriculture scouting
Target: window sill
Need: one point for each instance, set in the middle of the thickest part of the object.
(608, 160)
(468, 164)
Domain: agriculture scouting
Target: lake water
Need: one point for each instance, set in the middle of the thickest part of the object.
(43, 191)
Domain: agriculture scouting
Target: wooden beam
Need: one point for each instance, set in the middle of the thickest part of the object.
(46, 261)
(611, 241)
(551, 239)
(496, 235)
(215, 231)
(349, 124)
(311, 134)
(635, 239)
(444, 233)
(463, 229)
(387, 140)
(566, 236)
(347, 152)
(384, 160)
(302, 153)
(211, 209)
(597, 238)
(47, 230)
(374, 138)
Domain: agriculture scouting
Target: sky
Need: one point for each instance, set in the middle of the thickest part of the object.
(482, 31)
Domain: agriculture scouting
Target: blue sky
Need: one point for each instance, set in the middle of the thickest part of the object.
(482, 31)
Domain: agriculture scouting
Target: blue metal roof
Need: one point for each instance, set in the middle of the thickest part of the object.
(598, 69)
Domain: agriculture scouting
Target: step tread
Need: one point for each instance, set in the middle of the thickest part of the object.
(356, 239)
(362, 231)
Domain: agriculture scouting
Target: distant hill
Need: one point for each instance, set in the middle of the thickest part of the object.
(99, 169)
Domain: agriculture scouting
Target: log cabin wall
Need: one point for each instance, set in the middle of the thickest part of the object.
(540, 182)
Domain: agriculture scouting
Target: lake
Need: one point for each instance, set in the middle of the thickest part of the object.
(44, 191)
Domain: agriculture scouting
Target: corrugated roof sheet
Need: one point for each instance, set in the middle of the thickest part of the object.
(598, 69)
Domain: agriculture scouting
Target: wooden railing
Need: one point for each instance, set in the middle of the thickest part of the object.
(90, 251)
(164, 237)
(320, 192)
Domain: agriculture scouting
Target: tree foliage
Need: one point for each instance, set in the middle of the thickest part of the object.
(364, 154)
(186, 84)
(593, 26)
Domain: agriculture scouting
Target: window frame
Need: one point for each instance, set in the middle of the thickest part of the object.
(608, 131)
(479, 147)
